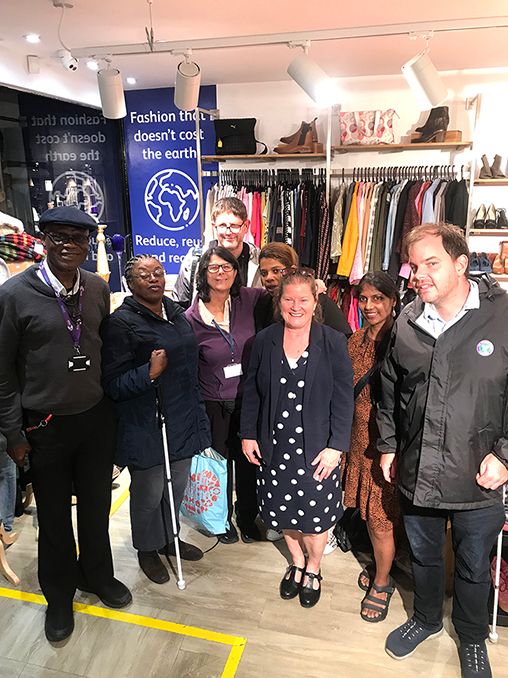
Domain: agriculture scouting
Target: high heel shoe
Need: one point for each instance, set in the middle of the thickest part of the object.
(496, 168)
(485, 172)
(491, 217)
(8, 538)
(480, 216)
(6, 570)
(502, 220)
(435, 127)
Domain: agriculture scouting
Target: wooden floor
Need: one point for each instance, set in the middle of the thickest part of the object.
(233, 591)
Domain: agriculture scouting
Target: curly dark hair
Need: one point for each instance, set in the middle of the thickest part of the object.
(202, 286)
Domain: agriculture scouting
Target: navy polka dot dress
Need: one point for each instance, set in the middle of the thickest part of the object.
(289, 498)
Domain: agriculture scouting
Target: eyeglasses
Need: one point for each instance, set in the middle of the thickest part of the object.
(234, 228)
(145, 275)
(302, 270)
(60, 239)
(215, 268)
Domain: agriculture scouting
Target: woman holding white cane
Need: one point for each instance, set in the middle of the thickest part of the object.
(150, 371)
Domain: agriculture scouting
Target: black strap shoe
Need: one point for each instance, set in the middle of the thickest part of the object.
(113, 594)
(289, 587)
(59, 623)
(153, 566)
(309, 596)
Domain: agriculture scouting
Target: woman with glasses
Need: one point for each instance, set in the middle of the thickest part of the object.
(295, 425)
(276, 259)
(222, 317)
(149, 354)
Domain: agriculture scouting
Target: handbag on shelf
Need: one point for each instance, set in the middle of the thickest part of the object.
(205, 500)
(235, 136)
(367, 127)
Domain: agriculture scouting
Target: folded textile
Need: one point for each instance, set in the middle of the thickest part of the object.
(21, 246)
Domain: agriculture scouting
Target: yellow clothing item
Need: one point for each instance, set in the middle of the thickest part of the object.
(350, 240)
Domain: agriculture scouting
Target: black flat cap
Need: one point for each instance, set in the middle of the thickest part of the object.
(67, 216)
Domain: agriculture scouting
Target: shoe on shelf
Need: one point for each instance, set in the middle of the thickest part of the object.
(474, 263)
(479, 217)
(502, 220)
(485, 171)
(491, 217)
(289, 587)
(230, 536)
(484, 263)
(59, 622)
(309, 596)
(153, 567)
(435, 127)
(404, 640)
(187, 551)
(250, 532)
(113, 594)
(474, 660)
(496, 168)
(274, 535)
(331, 543)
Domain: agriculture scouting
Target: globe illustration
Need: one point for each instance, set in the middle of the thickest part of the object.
(172, 199)
(79, 189)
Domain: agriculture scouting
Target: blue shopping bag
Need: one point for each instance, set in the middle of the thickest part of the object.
(205, 500)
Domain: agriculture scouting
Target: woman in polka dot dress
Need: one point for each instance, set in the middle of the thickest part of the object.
(296, 422)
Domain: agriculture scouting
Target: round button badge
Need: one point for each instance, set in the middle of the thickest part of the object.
(485, 348)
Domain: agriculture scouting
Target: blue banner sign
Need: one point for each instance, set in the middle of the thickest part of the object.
(162, 172)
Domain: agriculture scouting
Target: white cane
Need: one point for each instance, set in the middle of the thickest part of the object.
(493, 635)
(181, 581)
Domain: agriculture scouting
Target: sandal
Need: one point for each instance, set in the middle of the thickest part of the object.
(364, 574)
(289, 587)
(371, 602)
(309, 596)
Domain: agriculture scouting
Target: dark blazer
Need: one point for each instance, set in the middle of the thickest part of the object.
(129, 336)
(328, 392)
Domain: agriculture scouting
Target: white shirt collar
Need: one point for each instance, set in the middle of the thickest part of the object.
(431, 321)
(55, 283)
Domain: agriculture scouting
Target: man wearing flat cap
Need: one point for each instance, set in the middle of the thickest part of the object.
(52, 409)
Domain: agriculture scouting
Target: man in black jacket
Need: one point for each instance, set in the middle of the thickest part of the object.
(443, 436)
(52, 408)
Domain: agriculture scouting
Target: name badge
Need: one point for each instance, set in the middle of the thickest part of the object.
(78, 363)
(233, 370)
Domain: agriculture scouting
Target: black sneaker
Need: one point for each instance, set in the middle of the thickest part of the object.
(474, 660)
(229, 537)
(153, 567)
(187, 551)
(403, 641)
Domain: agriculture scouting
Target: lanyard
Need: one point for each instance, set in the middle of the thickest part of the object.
(228, 338)
(74, 328)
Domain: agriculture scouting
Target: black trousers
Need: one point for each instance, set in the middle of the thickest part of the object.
(224, 419)
(73, 452)
(473, 535)
(151, 523)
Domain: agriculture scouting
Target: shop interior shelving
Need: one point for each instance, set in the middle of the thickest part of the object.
(489, 231)
(491, 182)
(389, 148)
(268, 157)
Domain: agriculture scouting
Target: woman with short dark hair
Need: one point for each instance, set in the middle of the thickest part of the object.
(222, 317)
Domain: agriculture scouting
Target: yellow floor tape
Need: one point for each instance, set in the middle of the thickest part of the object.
(237, 643)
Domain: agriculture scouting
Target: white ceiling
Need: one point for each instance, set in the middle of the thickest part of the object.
(109, 22)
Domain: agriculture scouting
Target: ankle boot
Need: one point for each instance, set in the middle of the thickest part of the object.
(292, 138)
(496, 168)
(479, 217)
(435, 127)
(153, 567)
(502, 221)
(485, 172)
(498, 266)
(491, 218)
(316, 146)
(300, 144)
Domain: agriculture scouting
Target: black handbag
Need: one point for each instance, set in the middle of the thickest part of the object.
(235, 136)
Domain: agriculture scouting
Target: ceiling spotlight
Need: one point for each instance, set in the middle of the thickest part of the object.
(313, 80)
(424, 81)
(188, 80)
(68, 61)
(92, 65)
(111, 93)
(32, 38)
(130, 80)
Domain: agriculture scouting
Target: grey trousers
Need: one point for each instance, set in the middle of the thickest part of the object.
(149, 504)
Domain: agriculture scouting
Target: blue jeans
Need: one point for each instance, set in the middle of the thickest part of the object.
(474, 532)
(7, 486)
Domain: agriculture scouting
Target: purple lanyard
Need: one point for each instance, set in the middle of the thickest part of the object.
(74, 329)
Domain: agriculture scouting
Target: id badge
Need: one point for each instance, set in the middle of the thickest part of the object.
(78, 363)
(233, 370)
